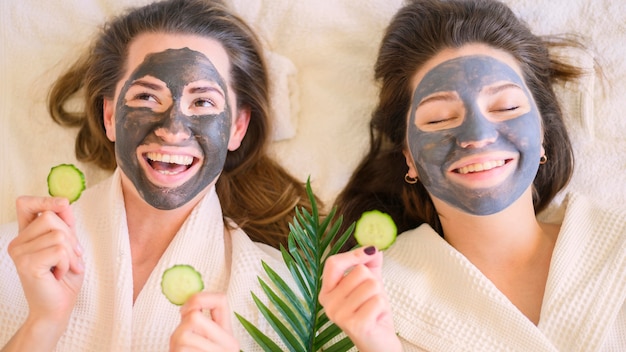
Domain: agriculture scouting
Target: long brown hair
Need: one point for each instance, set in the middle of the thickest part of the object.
(254, 190)
(417, 32)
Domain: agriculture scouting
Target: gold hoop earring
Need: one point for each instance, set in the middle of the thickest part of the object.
(410, 180)
(543, 159)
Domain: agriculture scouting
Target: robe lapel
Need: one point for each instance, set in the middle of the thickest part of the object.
(587, 278)
(108, 284)
(442, 302)
(199, 243)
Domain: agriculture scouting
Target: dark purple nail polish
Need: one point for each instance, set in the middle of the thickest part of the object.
(370, 250)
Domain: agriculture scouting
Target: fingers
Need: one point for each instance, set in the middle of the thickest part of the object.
(28, 209)
(353, 292)
(198, 332)
(205, 325)
(45, 238)
(50, 250)
(337, 265)
(184, 339)
(357, 287)
(37, 215)
(47, 257)
(354, 298)
(215, 304)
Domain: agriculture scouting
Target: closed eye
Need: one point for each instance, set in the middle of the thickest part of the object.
(513, 108)
(439, 111)
(504, 100)
(439, 121)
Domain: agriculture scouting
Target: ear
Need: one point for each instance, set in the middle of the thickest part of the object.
(409, 162)
(239, 128)
(109, 118)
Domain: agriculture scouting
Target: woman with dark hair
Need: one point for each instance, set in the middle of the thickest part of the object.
(175, 103)
(468, 144)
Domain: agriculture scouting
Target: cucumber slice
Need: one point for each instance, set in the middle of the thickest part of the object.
(375, 228)
(180, 282)
(66, 180)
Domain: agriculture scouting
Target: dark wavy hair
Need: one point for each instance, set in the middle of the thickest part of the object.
(254, 190)
(418, 31)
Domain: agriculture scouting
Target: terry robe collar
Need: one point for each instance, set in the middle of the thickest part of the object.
(104, 318)
(442, 302)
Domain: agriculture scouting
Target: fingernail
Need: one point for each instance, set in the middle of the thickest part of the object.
(370, 250)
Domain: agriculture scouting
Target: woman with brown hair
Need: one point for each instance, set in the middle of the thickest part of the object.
(176, 103)
(468, 145)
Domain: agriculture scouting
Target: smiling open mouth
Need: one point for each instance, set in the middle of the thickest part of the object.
(478, 167)
(169, 164)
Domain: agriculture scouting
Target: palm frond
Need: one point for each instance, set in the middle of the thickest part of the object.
(265, 342)
(301, 323)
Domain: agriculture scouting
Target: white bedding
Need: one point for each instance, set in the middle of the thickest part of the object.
(321, 55)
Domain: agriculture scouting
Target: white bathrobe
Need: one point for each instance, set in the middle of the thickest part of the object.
(442, 302)
(104, 318)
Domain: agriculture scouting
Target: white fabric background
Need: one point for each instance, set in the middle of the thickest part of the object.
(321, 55)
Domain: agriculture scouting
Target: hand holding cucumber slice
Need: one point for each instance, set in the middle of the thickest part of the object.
(66, 180)
(375, 228)
(180, 282)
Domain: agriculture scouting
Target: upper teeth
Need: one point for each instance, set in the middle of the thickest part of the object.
(170, 158)
(480, 166)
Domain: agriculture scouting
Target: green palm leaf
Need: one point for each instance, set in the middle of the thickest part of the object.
(285, 334)
(265, 342)
(301, 323)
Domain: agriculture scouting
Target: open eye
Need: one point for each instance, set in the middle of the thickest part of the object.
(203, 103)
(148, 92)
(203, 97)
(146, 97)
(206, 103)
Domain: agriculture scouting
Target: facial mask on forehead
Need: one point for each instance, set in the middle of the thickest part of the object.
(136, 126)
(434, 152)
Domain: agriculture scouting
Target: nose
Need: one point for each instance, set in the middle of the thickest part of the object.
(476, 131)
(173, 129)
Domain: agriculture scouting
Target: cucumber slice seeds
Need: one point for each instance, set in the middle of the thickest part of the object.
(66, 180)
(375, 228)
(180, 282)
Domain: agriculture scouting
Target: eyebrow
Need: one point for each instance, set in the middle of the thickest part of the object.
(140, 82)
(491, 90)
(204, 89)
(439, 96)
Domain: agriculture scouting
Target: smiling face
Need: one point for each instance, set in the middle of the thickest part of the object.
(474, 131)
(173, 121)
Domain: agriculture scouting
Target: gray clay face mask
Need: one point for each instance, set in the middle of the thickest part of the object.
(474, 134)
(179, 73)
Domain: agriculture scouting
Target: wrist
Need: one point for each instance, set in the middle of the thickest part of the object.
(37, 334)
